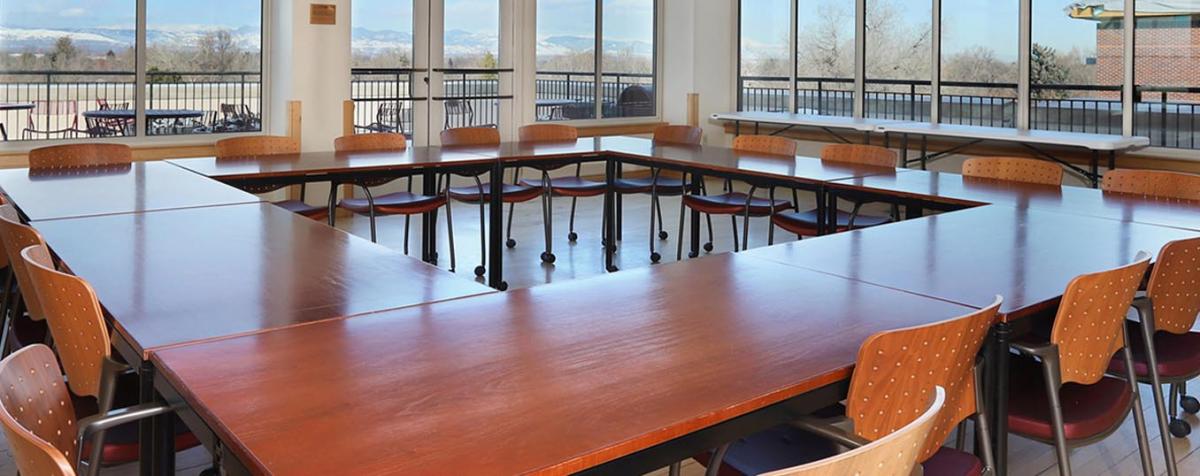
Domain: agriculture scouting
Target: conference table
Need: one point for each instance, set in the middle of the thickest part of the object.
(287, 345)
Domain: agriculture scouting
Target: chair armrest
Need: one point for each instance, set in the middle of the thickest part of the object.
(96, 423)
(825, 429)
(1035, 349)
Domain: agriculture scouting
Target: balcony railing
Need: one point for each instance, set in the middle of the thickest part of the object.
(187, 103)
(1168, 116)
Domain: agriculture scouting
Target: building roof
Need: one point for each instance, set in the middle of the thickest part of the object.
(1108, 9)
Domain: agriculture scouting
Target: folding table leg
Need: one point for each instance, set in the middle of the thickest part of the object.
(610, 203)
(998, 366)
(496, 227)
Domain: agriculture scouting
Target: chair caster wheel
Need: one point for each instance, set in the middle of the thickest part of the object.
(503, 286)
(547, 258)
(708, 247)
(479, 271)
(1179, 428)
(511, 243)
(572, 237)
(693, 255)
(655, 257)
(613, 269)
(1190, 404)
(662, 235)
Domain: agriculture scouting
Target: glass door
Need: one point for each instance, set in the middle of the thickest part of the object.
(470, 81)
(390, 67)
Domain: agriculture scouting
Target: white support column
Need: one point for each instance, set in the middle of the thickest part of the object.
(508, 52)
(1129, 85)
(935, 70)
(860, 53)
(422, 80)
(1025, 40)
(793, 56)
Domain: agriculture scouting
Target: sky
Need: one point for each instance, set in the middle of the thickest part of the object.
(122, 13)
(624, 19)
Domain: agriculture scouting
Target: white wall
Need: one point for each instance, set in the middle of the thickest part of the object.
(699, 42)
(310, 64)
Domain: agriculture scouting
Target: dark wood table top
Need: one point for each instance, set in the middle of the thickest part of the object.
(134, 188)
(956, 189)
(316, 163)
(180, 276)
(548, 379)
(1025, 255)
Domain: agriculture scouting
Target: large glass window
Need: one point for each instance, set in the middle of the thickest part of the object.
(1166, 70)
(567, 62)
(381, 42)
(64, 61)
(765, 81)
(471, 55)
(204, 67)
(980, 50)
(1076, 66)
(899, 42)
(825, 57)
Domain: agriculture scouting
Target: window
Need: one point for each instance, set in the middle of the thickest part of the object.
(979, 62)
(899, 43)
(1166, 72)
(203, 68)
(825, 57)
(1076, 66)
(471, 55)
(765, 82)
(381, 42)
(567, 63)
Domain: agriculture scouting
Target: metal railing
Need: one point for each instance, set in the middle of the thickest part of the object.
(63, 103)
(1167, 115)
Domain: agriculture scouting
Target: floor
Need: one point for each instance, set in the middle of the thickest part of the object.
(1116, 455)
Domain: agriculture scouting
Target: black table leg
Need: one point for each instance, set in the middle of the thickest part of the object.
(1095, 169)
(1112, 160)
(831, 213)
(610, 214)
(924, 152)
(697, 182)
(147, 464)
(998, 366)
(496, 227)
(822, 224)
(620, 203)
(904, 150)
(3, 132)
(429, 221)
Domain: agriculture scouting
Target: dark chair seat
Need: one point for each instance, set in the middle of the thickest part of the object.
(732, 204)
(805, 223)
(509, 194)
(300, 208)
(121, 443)
(1088, 410)
(399, 203)
(26, 331)
(570, 186)
(785, 446)
(1178, 354)
(666, 185)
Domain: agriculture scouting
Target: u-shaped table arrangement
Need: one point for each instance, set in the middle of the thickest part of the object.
(288, 346)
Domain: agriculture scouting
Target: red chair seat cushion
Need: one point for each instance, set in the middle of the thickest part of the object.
(732, 204)
(399, 203)
(1088, 410)
(666, 185)
(300, 208)
(951, 462)
(805, 223)
(570, 186)
(509, 193)
(121, 443)
(1178, 354)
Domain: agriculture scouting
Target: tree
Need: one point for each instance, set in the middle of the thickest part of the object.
(1045, 67)
(218, 52)
(64, 53)
(488, 62)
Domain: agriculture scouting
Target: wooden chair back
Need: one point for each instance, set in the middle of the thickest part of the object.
(255, 146)
(894, 454)
(16, 236)
(380, 141)
(79, 155)
(75, 319)
(1089, 326)
(770, 145)
(1174, 287)
(36, 411)
(860, 154)
(684, 135)
(548, 133)
(1153, 183)
(1014, 169)
(896, 369)
(471, 136)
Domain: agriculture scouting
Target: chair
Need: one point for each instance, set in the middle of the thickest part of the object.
(575, 186)
(657, 185)
(736, 203)
(25, 323)
(1064, 397)
(259, 146)
(1153, 183)
(43, 111)
(481, 193)
(461, 108)
(1014, 169)
(388, 118)
(79, 155)
(97, 382)
(893, 374)
(398, 203)
(1168, 352)
(805, 223)
(897, 452)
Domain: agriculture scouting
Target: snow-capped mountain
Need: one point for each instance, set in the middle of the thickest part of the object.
(466, 42)
(100, 40)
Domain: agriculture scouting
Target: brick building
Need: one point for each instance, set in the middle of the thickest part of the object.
(1167, 48)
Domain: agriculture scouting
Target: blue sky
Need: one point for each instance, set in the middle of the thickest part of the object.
(625, 19)
(122, 13)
